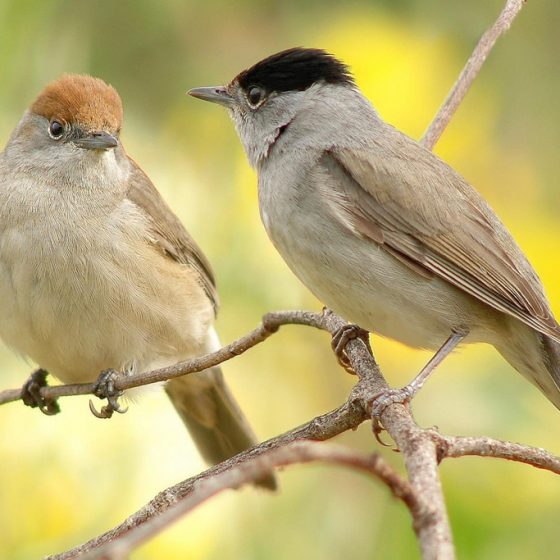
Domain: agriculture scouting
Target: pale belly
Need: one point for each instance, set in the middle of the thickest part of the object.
(364, 284)
(77, 315)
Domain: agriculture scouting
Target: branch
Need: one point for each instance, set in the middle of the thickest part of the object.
(470, 72)
(418, 449)
(251, 470)
(454, 446)
(346, 417)
(270, 324)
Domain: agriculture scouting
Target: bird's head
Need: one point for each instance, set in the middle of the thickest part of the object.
(264, 99)
(73, 125)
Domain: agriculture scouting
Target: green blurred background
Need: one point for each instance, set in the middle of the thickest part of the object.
(67, 478)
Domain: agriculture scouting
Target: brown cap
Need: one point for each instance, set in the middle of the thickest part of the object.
(81, 99)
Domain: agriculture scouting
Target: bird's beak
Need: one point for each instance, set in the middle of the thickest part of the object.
(100, 140)
(216, 94)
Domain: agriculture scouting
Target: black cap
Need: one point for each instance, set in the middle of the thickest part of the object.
(295, 69)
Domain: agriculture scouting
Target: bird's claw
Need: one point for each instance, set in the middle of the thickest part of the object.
(342, 337)
(31, 394)
(105, 389)
(377, 429)
(380, 401)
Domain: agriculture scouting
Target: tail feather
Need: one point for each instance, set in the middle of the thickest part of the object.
(536, 356)
(551, 359)
(213, 417)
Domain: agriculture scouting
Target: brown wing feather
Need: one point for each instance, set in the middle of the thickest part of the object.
(168, 232)
(430, 216)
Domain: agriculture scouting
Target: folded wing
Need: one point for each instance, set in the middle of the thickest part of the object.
(420, 210)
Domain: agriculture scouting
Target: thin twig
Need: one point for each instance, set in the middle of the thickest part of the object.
(470, 72)
(418, 448)
(251, 470)
(270, 324)
(348, 416)
(456, 446)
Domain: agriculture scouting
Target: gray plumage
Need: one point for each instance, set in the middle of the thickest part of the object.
(380, 229)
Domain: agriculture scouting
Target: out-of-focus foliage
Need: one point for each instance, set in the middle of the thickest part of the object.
(67, 478)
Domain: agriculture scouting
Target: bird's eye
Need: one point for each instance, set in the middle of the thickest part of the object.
(56, 129)
(255, 95)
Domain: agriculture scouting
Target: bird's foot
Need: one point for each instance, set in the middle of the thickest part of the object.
(342, 337)
(380, 401)
(31, 393)
(105, 389)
